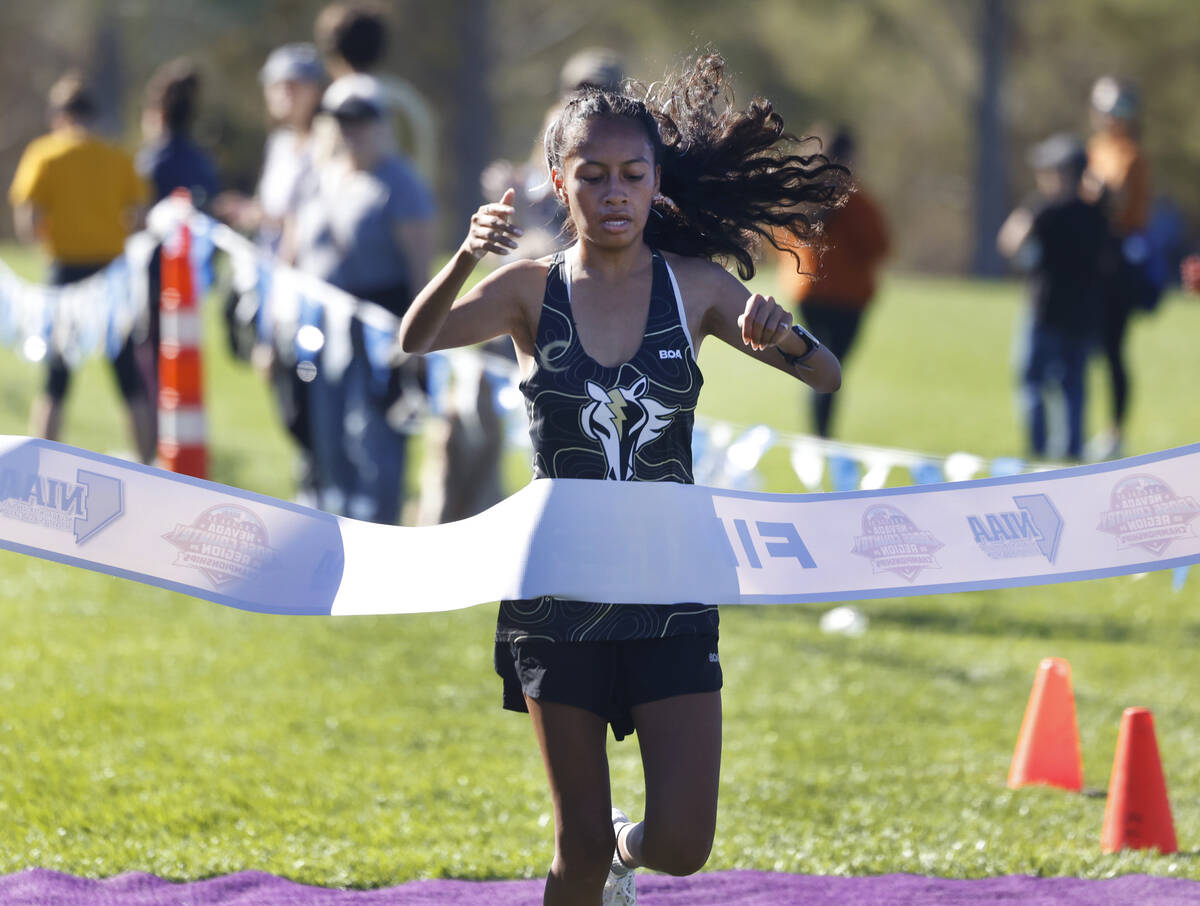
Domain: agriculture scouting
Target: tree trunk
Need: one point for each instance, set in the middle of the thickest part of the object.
(106, 74)
(470, 126)
(991, 182)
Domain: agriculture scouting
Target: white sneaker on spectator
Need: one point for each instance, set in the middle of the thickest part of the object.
(620, 889)
(1105, 446)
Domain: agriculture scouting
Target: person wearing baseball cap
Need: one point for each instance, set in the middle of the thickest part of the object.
(293, 63)
(1115, 157)
(366, 229)
(357, 97)
(292, 79)
(1060, 240)
(352, 36)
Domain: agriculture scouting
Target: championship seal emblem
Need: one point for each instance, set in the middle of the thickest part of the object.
(225, 542)
(894, 544)
(1144, 512)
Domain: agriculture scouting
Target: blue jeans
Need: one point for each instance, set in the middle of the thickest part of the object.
(1053, 360)
(359, 457)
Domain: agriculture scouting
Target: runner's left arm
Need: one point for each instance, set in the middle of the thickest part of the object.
(763, 329)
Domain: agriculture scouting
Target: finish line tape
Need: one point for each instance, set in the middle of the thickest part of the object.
(620, 542)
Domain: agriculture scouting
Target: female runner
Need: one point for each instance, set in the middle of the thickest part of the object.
(606, 335)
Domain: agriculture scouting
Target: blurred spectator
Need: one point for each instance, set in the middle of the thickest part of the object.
(1118, 177)
(835, 283)
(537, 210)
(171, 160)
(1060, 240)
(464, 447)
(352, 37)
(293, 80)
(80, 196)
(464, 443)
(366, 229)
(168, 161)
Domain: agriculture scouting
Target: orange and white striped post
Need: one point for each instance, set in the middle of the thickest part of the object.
(181, 424)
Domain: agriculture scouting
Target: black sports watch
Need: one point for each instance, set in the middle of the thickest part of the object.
(811, 342)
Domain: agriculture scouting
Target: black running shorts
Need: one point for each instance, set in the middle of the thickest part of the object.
(607, 678)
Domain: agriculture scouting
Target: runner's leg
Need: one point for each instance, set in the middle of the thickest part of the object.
(572, 741)
(680, 739)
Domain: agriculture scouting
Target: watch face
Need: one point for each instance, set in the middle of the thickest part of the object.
(806, 337)
(810, 342)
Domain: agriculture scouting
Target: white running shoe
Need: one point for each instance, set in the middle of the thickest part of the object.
(621, 888)
(1105, 446)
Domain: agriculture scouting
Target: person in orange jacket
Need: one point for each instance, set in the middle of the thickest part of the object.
(1118, 178)
(834, 281)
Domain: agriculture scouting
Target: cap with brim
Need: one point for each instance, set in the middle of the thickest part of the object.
(1058, 151)
(597, 67)
(292, 63)
(1112, 97)
(355, 110)
(354, 97)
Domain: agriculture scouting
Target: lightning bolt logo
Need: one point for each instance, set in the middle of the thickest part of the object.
(622, 420)
(616, 405)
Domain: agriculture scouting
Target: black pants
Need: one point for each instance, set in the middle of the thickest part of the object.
(1118, 305)
(58, 374)
(836, 327)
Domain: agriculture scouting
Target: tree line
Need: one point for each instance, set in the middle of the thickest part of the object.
(946, 96)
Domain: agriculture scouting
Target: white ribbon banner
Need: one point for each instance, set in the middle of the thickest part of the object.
(619, 542)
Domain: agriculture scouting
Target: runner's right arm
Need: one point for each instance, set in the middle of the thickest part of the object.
(436, 321)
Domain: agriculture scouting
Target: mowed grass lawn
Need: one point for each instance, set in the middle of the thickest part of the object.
(142, 730)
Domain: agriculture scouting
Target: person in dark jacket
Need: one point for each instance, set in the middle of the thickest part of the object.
(1060, 240)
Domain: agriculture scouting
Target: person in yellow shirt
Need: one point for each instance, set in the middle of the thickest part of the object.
(78, 197)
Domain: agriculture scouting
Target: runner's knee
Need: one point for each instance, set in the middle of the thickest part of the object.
(585, 847)
(680, 850)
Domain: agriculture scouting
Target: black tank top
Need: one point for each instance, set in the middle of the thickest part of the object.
(631, 422)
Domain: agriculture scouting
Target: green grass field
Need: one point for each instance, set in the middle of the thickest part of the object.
(142, 730)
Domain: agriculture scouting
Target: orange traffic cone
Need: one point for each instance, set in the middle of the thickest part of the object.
(181, 424)
(1138, 814)
(1048, 748)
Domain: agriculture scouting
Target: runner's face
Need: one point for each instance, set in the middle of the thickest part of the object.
(609, 181)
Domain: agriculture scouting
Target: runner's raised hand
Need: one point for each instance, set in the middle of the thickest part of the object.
(492, 229)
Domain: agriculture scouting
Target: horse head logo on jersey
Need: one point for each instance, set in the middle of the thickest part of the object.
(624, 420)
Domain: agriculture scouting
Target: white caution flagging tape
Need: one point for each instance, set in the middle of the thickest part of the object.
(620, 542)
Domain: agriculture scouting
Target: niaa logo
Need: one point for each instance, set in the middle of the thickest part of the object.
(83, 507)
(1034, 528)
(623, 420)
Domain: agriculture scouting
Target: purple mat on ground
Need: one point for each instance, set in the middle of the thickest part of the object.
(38, 887)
